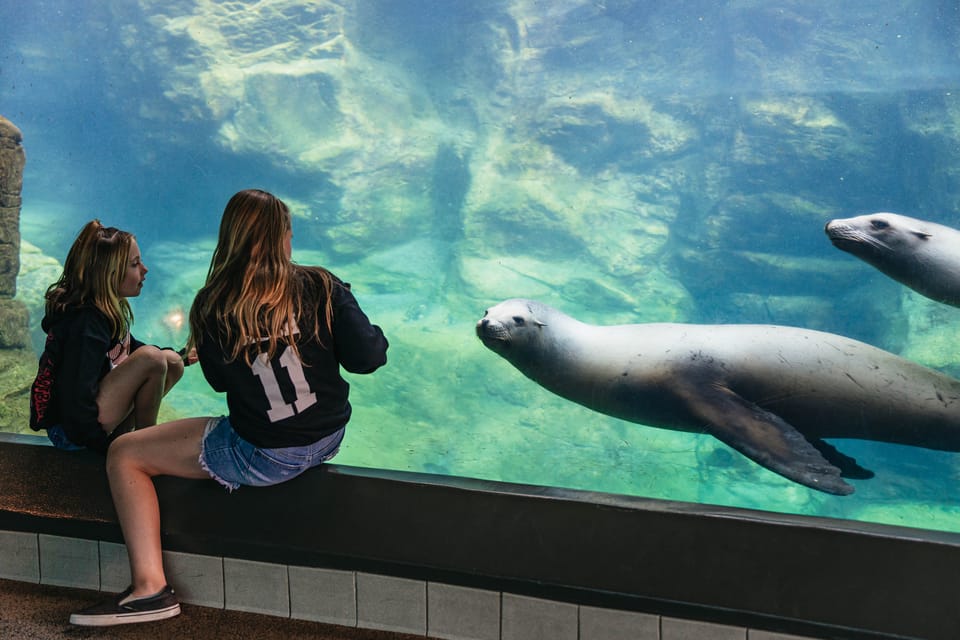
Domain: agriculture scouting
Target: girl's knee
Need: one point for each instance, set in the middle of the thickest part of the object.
(174, 364)
(152, 356)
(118, 454)
(128, 454)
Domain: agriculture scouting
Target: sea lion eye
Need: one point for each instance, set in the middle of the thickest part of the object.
(879, 225)
(518, 320)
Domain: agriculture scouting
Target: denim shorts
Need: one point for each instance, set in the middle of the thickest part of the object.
(232, 461)
(58, 438)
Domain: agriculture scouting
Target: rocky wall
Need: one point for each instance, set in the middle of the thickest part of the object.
(657, 163)
(17, 360)
(650, 161)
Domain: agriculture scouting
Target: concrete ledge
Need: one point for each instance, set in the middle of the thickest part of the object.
(683, 562)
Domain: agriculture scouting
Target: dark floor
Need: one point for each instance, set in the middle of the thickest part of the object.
(38, 612)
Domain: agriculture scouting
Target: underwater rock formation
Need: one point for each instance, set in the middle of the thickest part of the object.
(12, 159)
(37, 272)
(670, 164)
(17, 362)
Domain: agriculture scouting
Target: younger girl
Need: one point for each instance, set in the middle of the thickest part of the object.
(95, 380)
(272, 335)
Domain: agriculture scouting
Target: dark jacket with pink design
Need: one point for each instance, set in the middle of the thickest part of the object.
(74, 361)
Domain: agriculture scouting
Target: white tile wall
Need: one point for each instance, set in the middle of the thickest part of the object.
(394, 604)
(610, 624)
(753, 634)
(674, 629)
(348, 598)
(19, 556)
(527, 618)
(196, 579)
(323, 595)
(69, 562)
(460, 613)
(257, 587)
(114, 567)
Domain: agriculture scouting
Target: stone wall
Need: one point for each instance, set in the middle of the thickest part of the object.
(17, 360)
(12, 160)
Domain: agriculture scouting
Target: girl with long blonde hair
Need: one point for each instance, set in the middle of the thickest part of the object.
(95, 380)
(272, 335)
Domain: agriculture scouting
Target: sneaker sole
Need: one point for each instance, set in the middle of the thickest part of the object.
(133, 617)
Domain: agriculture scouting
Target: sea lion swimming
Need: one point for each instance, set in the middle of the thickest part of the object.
(773, 393)
(923, 255)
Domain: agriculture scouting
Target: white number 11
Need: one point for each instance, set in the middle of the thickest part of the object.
(280, 410)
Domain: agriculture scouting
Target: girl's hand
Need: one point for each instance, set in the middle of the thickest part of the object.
(189, 357)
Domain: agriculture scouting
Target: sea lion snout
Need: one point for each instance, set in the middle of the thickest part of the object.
(840, 234)
(488, 330)
(851, 236)
(495, 329)
(837, 228)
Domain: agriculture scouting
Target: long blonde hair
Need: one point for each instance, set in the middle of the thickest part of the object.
(253, 291)
(92, 275)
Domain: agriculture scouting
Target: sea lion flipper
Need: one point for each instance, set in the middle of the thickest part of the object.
(765, 438)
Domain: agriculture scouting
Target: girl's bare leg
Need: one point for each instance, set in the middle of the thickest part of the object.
(132, 461)
(136, 386)
(174, 368)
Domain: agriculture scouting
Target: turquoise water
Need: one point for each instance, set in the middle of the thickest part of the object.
(622, 161)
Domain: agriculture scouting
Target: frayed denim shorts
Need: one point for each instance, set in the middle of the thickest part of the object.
(58, 438)
(232, 461)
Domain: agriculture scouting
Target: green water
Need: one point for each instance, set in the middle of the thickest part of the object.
(445, 404)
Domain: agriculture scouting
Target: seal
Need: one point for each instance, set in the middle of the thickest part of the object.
(773, 393)
(923, 255)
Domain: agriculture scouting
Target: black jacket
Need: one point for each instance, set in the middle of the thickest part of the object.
(74, 361)
(289, 402)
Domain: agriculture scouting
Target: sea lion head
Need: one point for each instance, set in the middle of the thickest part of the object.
(923, 255)
(511, 324)
(898, 246)
(878, 238)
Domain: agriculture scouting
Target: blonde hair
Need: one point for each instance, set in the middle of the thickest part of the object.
(253, 292)
(92, 275)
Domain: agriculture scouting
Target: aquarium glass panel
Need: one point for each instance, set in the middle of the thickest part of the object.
(622, 162)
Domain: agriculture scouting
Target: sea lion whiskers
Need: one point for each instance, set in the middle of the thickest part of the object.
(498, 333)
(844, 233)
